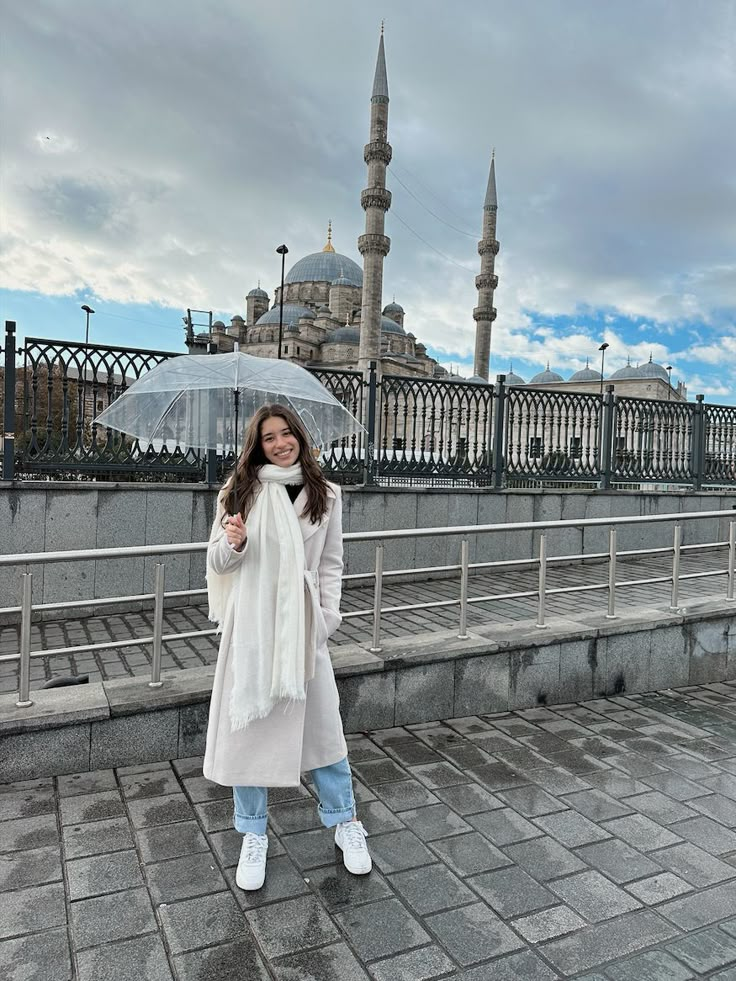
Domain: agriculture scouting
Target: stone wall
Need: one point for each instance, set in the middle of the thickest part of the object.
(500, 667)
(38, 517)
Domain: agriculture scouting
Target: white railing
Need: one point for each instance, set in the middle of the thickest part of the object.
(377, 576)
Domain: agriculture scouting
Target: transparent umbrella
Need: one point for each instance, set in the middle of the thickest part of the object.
(204, 402)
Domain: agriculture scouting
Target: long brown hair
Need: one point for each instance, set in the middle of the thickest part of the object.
(244, 478)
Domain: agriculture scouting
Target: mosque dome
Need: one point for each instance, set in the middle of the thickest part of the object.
(389, 326)
(325, 267)
(546, 377)
(238, 318)
(477, 380)
(628, 371)
(653, 370)
(324, 311)
(586, 374)
(259, 292)
(393, 308)
(292, 313)
(343, 335)
(513, 379)
(341, 281)
(218, 323)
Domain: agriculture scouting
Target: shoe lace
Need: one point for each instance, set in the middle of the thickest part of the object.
(354, 834)
(254, 847)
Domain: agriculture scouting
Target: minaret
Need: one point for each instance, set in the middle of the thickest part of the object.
(485, 313)
(376, 201)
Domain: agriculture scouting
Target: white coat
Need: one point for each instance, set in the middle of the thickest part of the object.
(296, 736)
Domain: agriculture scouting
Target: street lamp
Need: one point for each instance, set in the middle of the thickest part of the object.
(282, 250)
(88, 310)
(603, 348)
(669, 381)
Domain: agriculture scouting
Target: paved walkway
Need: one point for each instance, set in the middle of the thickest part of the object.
(592, 841)
(201, 651)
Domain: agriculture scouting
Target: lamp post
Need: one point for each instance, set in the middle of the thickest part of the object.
(669, 381)
(88, 310)
(602, 349)
(282, 250)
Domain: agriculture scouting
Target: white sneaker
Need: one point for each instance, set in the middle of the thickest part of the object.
(251, 872)
(350, 837)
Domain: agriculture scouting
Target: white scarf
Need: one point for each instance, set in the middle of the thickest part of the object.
(268, 640)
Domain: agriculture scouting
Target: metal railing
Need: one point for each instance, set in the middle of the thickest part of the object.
(438, 431)
(378, 576)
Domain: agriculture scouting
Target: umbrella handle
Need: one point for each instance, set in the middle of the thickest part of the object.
(236, 394)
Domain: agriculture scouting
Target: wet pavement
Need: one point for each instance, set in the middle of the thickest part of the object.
(593, 840)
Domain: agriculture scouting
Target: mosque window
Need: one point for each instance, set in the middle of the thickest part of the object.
(286, 349)
(298, 349)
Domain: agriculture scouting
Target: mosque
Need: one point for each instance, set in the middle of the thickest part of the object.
(333, 316)
(332, 306)
(647, 381)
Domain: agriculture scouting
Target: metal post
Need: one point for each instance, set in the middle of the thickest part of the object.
(731, 560)
(499, 405)
(282, 250)
(377, 591)
(676, 567)
(542, 579)
(697, 457)
(607, 464)
(24, 672)
(611, 615)
(464, 562)
(371, 437)
(158, 626)
(8, 461)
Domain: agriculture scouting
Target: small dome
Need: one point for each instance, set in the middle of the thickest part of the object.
(341, 281)
(389, 326)
(586, 374)
(546, 377)
(653, 370)
(259, 292)
(237, 318)
(513, 379)
(628, 371)
(325, 267)
(324, 311)
(393, 307)
(343, 335)
(218, 323)
(292, 313)
(477, 380)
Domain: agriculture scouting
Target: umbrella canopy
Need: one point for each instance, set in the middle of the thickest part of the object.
(204, 401)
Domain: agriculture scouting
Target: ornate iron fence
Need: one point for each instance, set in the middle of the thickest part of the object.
(653, 440)
(437, 430)
(64, 386)
(552, 435)
(417, 430)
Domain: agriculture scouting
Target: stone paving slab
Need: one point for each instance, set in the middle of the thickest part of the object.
(522, 864)
(355, 634)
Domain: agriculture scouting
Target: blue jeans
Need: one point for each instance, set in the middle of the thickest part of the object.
(336, 802)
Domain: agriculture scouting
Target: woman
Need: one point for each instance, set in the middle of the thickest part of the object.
(274, 577)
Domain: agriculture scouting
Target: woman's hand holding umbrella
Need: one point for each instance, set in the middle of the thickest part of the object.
(235, 532)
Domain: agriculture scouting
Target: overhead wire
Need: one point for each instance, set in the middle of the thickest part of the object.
(429, 245)
(419, 201)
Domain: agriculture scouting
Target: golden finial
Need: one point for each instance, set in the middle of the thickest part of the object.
(328, 247)
(382, 23)
(493, 153)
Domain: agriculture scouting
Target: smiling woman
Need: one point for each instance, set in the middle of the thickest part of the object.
(274, 577)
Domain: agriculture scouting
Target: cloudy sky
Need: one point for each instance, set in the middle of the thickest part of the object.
(155, 154)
